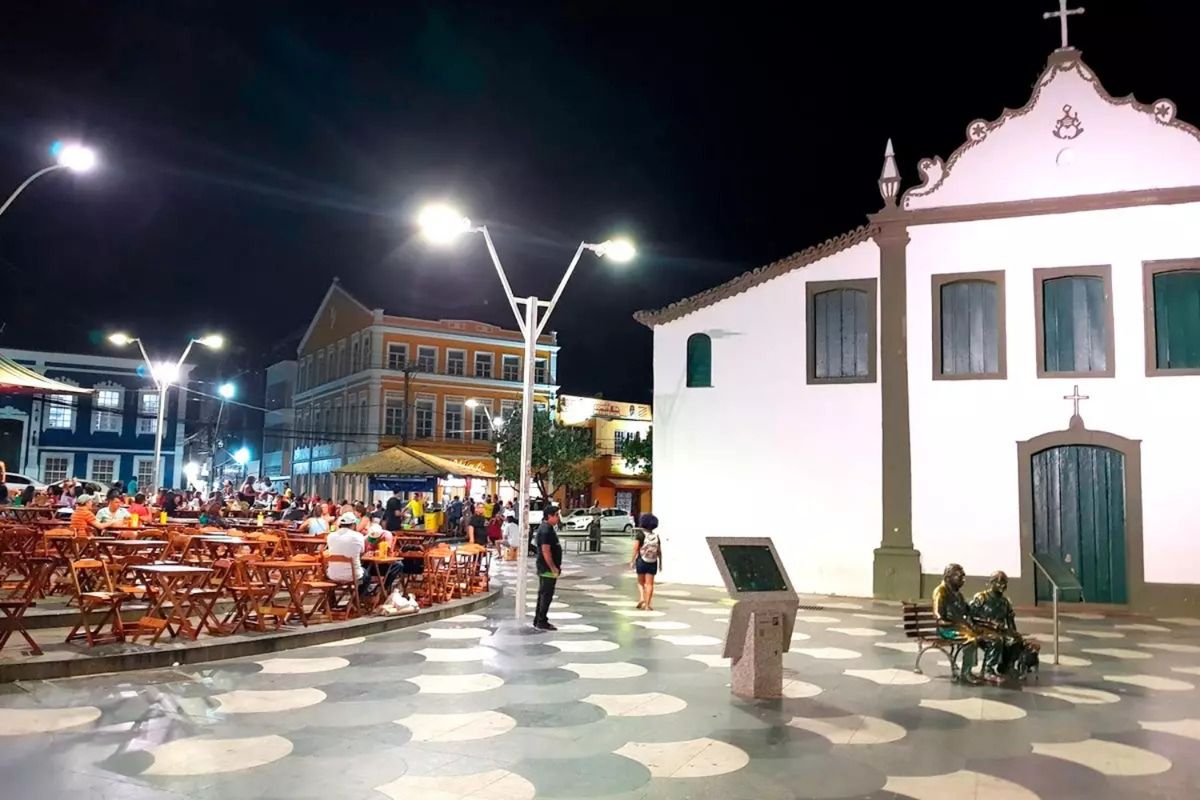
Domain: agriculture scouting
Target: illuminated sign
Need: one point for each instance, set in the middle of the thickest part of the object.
(574, 410)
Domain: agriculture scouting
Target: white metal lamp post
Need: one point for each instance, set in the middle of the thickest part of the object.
(164, 374)
(442, 224)
(74, 157)
(227, 391)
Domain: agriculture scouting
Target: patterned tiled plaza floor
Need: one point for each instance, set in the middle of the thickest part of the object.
(621, 703)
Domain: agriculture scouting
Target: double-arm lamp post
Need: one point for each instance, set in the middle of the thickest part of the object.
(442, 224)
(164, 374)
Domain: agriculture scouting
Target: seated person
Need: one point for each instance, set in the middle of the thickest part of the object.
(138, 506)
(83, 518)
(345, 541)
(954, 618)
(992, 611)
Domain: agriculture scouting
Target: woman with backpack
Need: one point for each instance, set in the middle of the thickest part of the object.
(647, 559)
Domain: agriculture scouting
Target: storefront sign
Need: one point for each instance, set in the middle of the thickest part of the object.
(390, 483)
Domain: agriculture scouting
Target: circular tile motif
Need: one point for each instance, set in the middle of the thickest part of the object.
(662, 625)
(26, 721)
(889, 677)
(456, 633)
(686, 640)
(1079, 695)
(977, 709)
(247, 701)
(851, 729)
(457, 727)
(652, 704)
(198, 755)
(827, 653)
(1155, 682)
(300, 666)
(709, 659)
(456, 684)
(693, 758)
(456, 654)
(799, 690)
(496, 784)
(963, 783)
(583, 645)
(344, 642)
(1105, 757)
(613, 670)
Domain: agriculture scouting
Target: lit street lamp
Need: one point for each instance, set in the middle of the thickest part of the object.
(227, 391)
(74, 157)
(442, 224)
(164, 374)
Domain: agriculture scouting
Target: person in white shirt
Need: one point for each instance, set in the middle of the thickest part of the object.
(345, 541)
(114, 512)
(511, 531)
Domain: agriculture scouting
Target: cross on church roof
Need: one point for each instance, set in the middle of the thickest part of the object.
(1076, 396)
(1062, 14)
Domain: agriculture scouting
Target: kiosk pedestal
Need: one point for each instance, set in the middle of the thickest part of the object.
(761, 623)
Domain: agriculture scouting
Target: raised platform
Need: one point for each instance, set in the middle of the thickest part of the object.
(63, 660)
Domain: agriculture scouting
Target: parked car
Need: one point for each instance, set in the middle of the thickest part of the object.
(16, 483)
(612, 520)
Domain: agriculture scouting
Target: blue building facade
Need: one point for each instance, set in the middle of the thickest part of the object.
(105, 436)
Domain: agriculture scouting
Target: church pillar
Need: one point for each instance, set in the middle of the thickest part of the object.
(897, 571)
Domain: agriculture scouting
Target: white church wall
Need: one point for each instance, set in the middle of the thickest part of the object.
(761, 453)
(964, 433)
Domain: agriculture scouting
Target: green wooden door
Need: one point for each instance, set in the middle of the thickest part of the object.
(1079, 516)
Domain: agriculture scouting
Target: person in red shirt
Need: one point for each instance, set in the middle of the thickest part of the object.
(138, 506)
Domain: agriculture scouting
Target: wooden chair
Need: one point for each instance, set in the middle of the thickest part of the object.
(340, 599)
(21, 599)
(92, 572)
(437, 580)
(252, 599)
(474, 563)
(920, 624)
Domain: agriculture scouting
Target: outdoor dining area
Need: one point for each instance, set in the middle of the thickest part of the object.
(180, 580)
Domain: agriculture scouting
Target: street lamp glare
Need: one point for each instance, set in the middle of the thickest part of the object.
(213, 341)
(120, 339)
(77, 158)
(442, 224)
(241, 456)
(166, 372)
(472, 403)
(620, 251)
(227, 390)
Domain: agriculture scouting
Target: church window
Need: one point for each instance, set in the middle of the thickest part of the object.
(699, 360)
(968, 326)
(1074, 322)
(841, 322)
(1172, 317)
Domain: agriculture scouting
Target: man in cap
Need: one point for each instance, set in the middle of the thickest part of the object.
(346, 541)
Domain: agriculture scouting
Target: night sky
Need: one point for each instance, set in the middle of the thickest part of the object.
(252, 151)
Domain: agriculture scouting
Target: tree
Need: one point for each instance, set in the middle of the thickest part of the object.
(559, 457)
(639, 453)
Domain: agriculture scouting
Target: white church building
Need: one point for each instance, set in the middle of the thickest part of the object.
(1005, 360)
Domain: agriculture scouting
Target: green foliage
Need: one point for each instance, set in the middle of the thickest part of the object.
(639, 452)
(560, 454)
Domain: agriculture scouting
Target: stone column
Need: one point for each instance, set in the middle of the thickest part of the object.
(897, 572)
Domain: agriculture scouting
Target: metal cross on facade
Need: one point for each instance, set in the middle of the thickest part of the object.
(1076, 396)
(1062, 14)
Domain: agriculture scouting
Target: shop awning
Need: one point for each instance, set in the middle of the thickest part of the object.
(404, 461)
(16, 379)
(626, 483)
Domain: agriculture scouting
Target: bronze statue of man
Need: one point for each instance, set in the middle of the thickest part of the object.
(954, 617)
(992, 611)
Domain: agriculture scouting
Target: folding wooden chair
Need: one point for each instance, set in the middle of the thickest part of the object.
(21, 600)
(474, 561)
(92, 572)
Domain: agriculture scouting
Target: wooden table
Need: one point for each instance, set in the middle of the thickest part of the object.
(307, 544)
(376, 564)
(291, 578)
(116, 549)
(174, 584)
(26, 514)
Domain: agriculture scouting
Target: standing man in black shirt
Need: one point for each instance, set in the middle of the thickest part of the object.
(393, 512)
(549, 563)
(477, 527)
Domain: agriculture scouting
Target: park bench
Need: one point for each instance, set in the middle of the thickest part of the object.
(921, 625)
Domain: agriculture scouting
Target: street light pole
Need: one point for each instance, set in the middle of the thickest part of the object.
(72, 157)
(163, 376)
(442, 224)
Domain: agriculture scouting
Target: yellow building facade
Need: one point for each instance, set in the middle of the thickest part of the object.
(368, 380)
(614, 482)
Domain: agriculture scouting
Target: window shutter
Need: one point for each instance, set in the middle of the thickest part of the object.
(1075, 324)
(842, 333)
(1177, 319)
(970, 328)
(699, 360)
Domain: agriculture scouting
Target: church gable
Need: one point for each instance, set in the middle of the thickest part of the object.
(1071, 139)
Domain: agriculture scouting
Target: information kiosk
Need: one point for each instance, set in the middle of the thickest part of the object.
(760, 627)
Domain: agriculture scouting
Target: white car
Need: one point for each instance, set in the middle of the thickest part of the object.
(16, 483)
(612, 520)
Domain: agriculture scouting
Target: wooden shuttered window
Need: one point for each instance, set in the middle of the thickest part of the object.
(968, 326)
(1075, 323)
(699, 360)
(1176, 323)
(841, 331)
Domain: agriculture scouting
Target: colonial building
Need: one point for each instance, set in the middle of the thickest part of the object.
(615, 483)
(105, 436)
(369, 380)
(921, 370)
(279, 422)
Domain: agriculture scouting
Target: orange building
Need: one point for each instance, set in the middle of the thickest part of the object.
(615, 483)
(367, 380)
